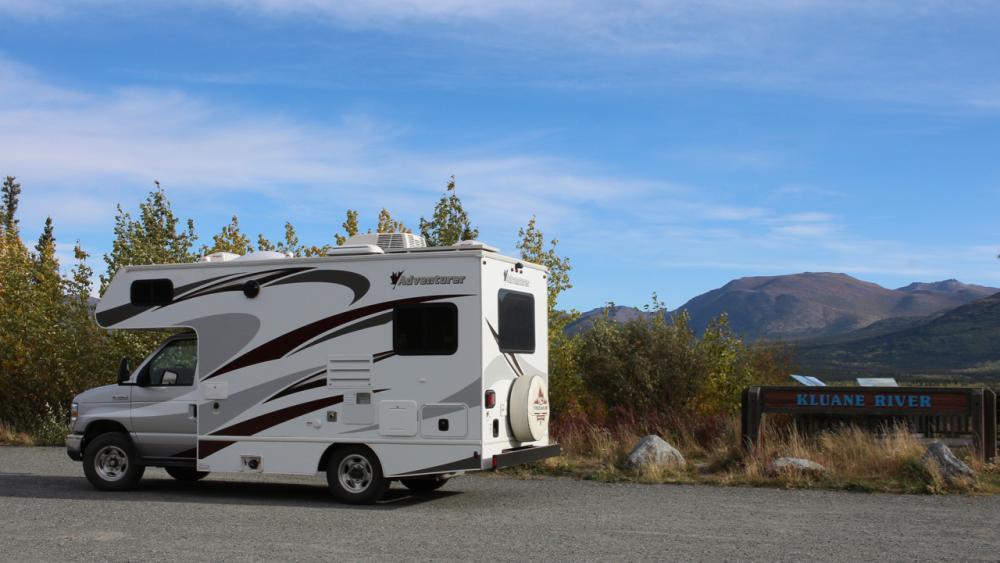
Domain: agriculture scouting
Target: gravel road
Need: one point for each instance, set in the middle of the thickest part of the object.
(48, 511)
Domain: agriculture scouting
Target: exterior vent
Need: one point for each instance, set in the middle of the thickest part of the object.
(475, 245)
(263, 255)
(354, 250)
(388, 241)
(219, 257)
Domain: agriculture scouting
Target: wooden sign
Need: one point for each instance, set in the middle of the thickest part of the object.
(978, 405)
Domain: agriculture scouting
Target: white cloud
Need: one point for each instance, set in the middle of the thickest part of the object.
(79, 153)
(85, 151)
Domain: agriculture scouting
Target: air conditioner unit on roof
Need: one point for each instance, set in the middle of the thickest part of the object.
(388, 241)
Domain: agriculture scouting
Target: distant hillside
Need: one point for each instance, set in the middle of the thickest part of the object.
(618, 313)
(960, 343)
(810, 305)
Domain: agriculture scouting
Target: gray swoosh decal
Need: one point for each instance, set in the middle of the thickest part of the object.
(308, 382)
(354, 281)
(362, 429)
(469, 395)
(511, 360)
(361, 325)
(119, 314)
(467, 463)
(238, 403)
(236, 283)
(231, 333)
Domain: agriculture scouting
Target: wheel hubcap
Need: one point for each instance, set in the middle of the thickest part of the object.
(111, 463)
(355, 473)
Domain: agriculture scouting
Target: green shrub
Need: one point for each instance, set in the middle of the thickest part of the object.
(655, 366)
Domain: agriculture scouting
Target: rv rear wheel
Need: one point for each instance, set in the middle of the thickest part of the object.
(355, 475)
(111, 464)
(185, 473)
(424, 484)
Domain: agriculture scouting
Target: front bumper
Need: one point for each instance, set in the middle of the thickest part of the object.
(73, 447)
(521, 456)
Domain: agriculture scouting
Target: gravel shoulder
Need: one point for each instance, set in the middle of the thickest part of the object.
(48, 511)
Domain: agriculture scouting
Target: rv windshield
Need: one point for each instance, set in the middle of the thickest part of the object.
(517, 321)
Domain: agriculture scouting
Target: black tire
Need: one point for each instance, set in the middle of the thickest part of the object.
(354, 475)
(424, 484)
(185, 473)
(111, 464)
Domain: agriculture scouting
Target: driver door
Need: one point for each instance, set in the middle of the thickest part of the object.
(164, 415)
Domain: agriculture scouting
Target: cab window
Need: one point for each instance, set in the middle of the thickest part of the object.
(174, 364)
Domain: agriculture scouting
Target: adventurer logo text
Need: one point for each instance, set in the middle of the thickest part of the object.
(513, 278)
(398, 279)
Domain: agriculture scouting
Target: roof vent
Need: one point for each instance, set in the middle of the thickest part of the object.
(219, 257)
(475, 245)
(263, 255)
(354, 250)
(388, 241)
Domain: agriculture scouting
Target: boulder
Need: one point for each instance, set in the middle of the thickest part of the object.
(950, 466)
(653, 450)
(794, 465)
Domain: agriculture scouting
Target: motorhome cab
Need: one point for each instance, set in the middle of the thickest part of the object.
(383, 360)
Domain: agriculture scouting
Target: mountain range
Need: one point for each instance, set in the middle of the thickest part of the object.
(840, 325)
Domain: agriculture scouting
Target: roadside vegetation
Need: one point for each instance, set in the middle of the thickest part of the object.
(856, 460)
(610, 384)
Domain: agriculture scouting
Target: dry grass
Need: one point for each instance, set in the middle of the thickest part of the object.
(885, 461)
(48, 430)
(11, 437)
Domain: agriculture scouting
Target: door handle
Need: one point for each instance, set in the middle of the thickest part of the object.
(193, 409)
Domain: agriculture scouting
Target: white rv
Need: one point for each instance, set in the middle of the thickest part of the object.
(383, 360)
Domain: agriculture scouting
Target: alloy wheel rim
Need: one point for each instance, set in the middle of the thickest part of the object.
(111, 463)
(355, 473)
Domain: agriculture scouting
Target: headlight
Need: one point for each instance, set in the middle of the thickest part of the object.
(74, 412)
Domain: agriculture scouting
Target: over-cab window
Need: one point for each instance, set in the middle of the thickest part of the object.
(425, 329)
(145, 293)
(517, 321)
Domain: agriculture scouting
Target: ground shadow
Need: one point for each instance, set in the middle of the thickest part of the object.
(21, 485)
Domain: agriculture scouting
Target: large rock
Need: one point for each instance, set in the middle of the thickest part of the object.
(794, 465)
(653, 450)
(951, 467)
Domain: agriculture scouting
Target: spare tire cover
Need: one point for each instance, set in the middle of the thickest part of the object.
(529, 408)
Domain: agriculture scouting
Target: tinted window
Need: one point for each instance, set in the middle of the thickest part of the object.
(517, 322)
(174, 364)
(152, 292)
(425, 329)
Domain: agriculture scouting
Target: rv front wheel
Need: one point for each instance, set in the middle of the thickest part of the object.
(355, 475)
(111, 464)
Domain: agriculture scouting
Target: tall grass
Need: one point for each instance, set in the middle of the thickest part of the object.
(48, 429)
(890, 459)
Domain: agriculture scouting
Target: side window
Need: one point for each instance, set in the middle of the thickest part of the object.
(516, 312)
(425, 329)
(145, 293)
(174, 364)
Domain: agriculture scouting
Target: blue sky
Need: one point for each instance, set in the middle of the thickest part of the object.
(670, 146)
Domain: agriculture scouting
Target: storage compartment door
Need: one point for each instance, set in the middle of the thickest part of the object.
(397, 418)
(444, 421)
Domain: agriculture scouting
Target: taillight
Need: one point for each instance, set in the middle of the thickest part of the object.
(491, 399)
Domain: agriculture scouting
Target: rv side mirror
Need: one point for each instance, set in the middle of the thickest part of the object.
(123, 372)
